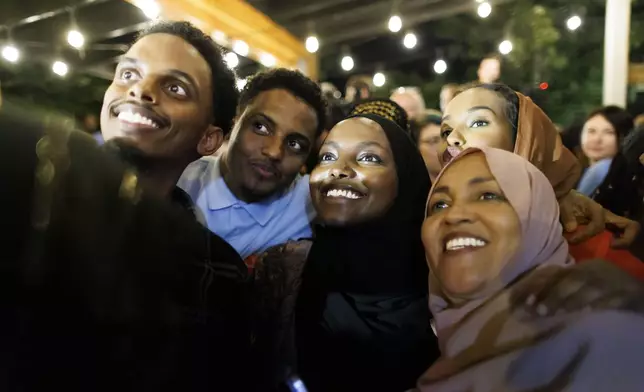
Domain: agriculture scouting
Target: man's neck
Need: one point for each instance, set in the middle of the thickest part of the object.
(160, 182)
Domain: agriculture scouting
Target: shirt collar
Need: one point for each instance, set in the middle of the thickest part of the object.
(220, 197)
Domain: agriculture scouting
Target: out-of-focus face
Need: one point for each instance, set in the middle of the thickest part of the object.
(474, 118)
(409, 103)
(489, 71)
(471, 232)
(356, 179)
(598, 139)
(429, 142)
(161, 100)
(269, 144)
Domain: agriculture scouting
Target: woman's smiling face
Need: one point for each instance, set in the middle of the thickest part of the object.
(475, 118)
(471, 231)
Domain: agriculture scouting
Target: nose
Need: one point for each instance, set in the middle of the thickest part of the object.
(458, 214)
(143, 91)
(273, 148)
(455, 139)
(342, 170)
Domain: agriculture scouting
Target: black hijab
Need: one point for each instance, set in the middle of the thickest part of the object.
(362, 315)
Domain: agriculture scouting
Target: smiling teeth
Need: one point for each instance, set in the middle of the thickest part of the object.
(136, 118)
(342, 193)
(464, 242)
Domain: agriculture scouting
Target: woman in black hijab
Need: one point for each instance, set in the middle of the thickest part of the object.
(362, 321)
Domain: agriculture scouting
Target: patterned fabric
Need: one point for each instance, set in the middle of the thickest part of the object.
(384, 108)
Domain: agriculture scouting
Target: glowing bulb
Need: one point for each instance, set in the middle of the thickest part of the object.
(484, 10)
(11, 53)
(75, 39)
(573, 23)
(395, 24)
(241, 83)
(410, 41)
(267, 60)
(312, 44)
(150, 8)
(347, 63)
(60, 68)
(440, 67)
(241, 48)
(219, 37)
(379, 79)
(231, 60)
(505, 47)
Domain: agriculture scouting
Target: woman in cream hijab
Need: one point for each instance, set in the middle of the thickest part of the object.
(493, 223)
(493, 115)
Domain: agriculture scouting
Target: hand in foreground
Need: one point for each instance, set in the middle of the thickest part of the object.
(577, 209)
(626, 229)
(594, 284)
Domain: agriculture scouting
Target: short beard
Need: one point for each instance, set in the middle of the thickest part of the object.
(133, 156)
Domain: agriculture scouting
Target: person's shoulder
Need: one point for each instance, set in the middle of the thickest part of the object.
(197, 172)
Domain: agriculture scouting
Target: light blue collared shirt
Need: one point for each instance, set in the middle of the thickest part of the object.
(249, 227)
(594, 176)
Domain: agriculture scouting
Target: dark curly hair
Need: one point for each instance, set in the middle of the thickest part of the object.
(294, 82)
(224, 87)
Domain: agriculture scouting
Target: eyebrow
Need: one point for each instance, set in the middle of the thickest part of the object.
(473, 181)
(173, 72)
(367, 143)
(473, 109)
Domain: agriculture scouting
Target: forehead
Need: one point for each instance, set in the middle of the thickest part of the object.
(598, 121)
(476, 97)
(164, 52)
(461, 171)
(358, 130)
(490, 63)
(285, 109)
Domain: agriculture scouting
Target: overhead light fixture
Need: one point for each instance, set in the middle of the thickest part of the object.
(11, 53)
(573, 23)
(241, 83)
(75, 39)
(312, 44)
(410, 41)
(150, 8)
(267, 60)
(440, 66)
(484, 10)
(505, 47)
(241, 48)
(395, 24)
(347, 63)
(379, 79)
(60, 68)
(231, 60)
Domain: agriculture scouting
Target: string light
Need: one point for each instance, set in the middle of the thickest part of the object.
(410, 41)
(267, 60)
(231, 60)
(484, 10)
(11, 53)
(573, 23)
(347, 63)
(440, 66)
(60, 68)
(150, 8)
(395, 24)
(379, 79)
(312, 44)
(505, 47)
(241, 48)
(75, 39)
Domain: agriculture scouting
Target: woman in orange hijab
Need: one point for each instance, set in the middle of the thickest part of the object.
(493, 115)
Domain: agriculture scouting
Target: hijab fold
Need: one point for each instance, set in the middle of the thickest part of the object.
(539, 142)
